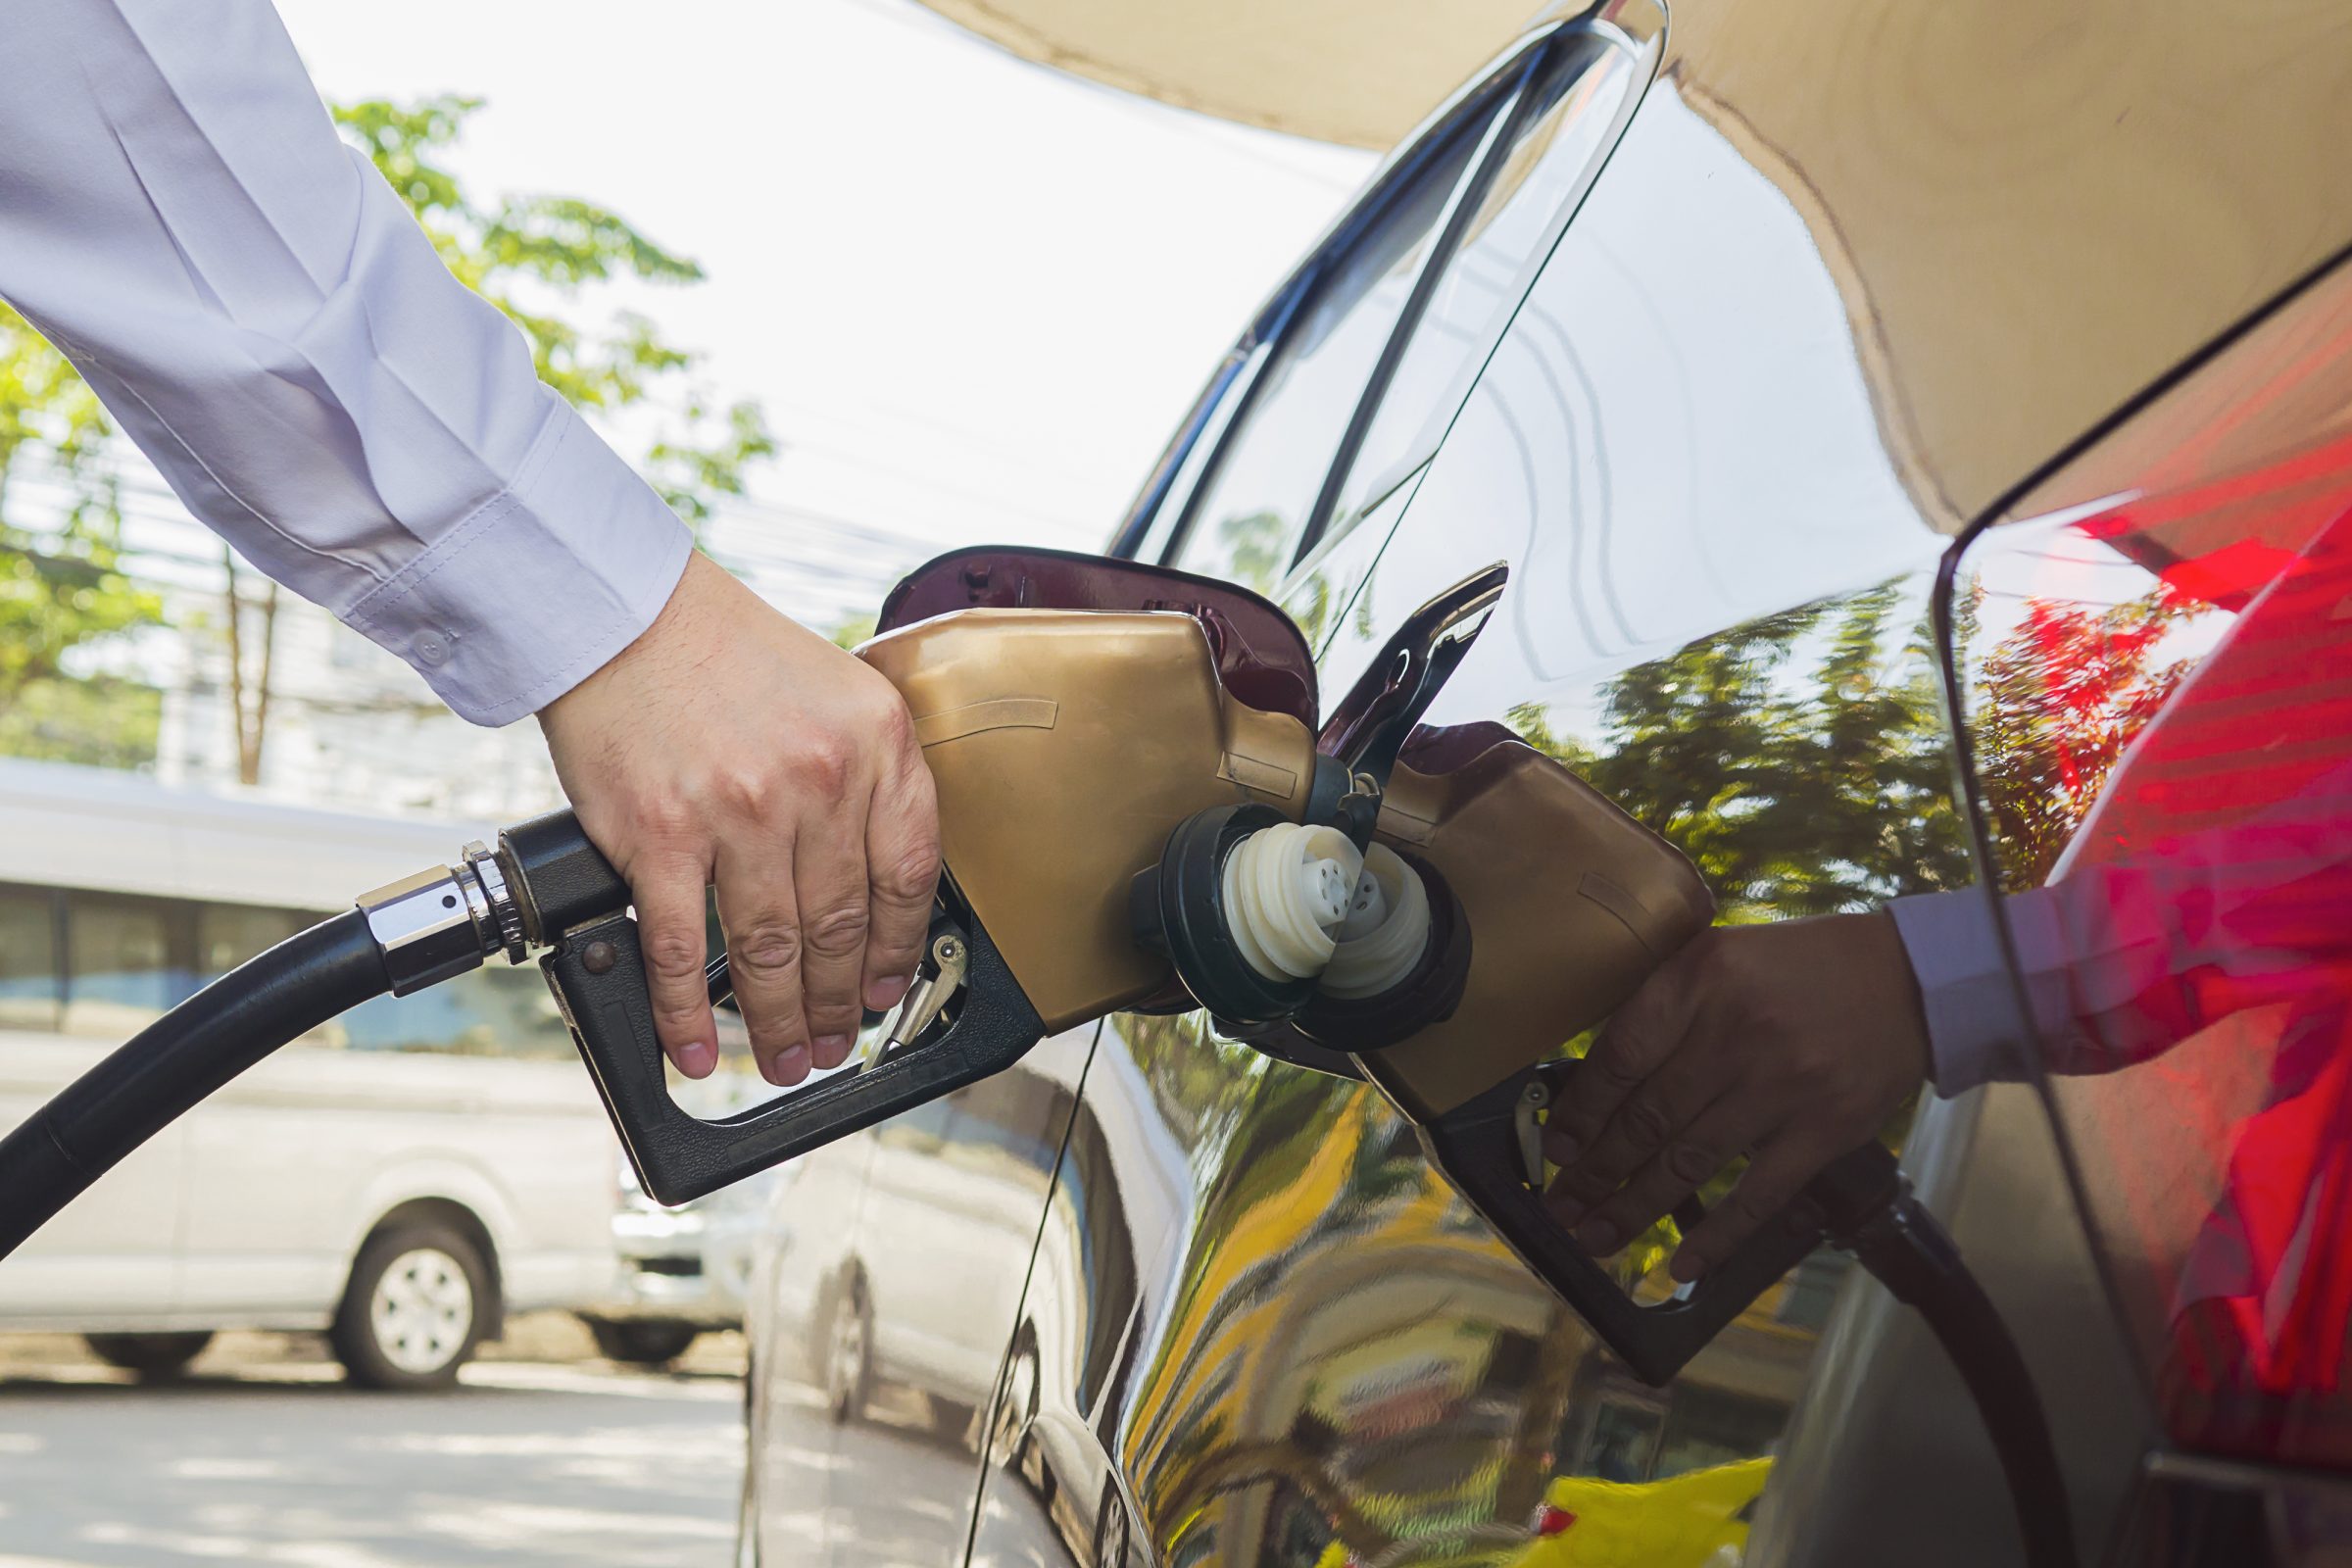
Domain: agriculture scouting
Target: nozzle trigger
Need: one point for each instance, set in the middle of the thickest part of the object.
(930, 994)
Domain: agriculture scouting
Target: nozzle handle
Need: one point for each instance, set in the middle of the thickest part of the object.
(1476, 1146)
(597, 975)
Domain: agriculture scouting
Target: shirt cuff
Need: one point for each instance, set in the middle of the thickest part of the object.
(1965, 990)
(539, 587)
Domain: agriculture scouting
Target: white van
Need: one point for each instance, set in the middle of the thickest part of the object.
(399, 1178)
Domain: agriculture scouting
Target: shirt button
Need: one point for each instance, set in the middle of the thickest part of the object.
(431, 647)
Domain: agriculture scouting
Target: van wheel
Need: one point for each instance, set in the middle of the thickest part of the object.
(150, 1355)
(1111, 1530)
(850, 1356)
(417, 1304)
(651, 1342)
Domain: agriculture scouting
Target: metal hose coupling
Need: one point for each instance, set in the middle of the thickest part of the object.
(446, 921)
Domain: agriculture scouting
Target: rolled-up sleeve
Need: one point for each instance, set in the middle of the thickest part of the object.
(265, 320)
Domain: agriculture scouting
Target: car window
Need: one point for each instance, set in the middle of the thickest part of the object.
(30, 989)
(126, 964)
(1346, 408)
(1655, 455)
(491, 1011)
(1552, 149)
(1251, 512)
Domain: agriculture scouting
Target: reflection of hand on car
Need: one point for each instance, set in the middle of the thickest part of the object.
(1791, 1042)
(1794, 1041)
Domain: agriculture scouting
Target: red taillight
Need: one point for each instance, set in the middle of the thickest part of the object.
(1550, 1520)
(2161, 696)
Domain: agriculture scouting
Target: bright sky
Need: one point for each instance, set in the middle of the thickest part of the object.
(975, 296)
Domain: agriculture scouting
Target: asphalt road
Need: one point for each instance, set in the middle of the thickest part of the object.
(569, 1465)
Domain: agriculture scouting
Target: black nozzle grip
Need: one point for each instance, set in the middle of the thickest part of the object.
(598, 973)
(1476, 1146)
(564, 880)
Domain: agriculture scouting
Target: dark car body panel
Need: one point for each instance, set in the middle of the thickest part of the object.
(1838, 277)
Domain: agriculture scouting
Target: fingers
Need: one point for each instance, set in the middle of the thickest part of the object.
(667, 890)
(829, 883)
(1651, 1119)
(1689, 1160)
(902, 866)
(1637, 1039)
(1771, 1182)
(760, 909)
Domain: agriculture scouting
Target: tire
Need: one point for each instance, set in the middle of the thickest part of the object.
(651, 1342)
(1012, 1441)
(417, 1304)
(848, 1382)
(1111, 1530)
(155, 1356)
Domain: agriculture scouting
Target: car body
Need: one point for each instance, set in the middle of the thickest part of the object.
(1765, 345)
(683, 1269)
(452, 1130)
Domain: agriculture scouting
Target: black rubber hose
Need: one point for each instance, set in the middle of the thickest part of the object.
(178, 1060)
(1920, 1266)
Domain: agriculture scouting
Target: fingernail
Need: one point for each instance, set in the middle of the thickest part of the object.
(886, 992)
(697, 1057)
(792, 1065)
(1683, 1267)
(1600, 1238)
(832, 1050)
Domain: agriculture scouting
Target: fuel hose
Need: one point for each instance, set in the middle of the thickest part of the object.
(1902, 1244)
(168, 1067)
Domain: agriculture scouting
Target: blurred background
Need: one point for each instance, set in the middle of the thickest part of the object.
(851, 285)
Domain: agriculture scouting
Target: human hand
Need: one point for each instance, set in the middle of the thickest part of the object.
(1791, 1042)
(727, 745)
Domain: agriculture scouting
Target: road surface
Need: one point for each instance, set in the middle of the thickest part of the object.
(566, 1465)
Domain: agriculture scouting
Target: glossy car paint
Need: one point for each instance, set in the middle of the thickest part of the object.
(1849, 273)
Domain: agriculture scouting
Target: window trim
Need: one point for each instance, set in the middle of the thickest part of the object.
(1319, 534)
(1245, 362)
(1152, 529)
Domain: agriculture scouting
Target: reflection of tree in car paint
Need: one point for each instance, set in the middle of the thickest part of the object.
(2059, 699)
(1801, 760)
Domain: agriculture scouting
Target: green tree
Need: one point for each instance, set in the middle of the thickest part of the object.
(63, 584)
(532, 256)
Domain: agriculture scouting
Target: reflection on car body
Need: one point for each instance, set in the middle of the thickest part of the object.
(1788, 325)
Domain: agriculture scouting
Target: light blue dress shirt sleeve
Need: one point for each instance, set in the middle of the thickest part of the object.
(262, 316)
(2118, 961)
(1974, 1034)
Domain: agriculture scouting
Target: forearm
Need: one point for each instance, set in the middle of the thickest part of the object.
(262, 316)
(2120, 962)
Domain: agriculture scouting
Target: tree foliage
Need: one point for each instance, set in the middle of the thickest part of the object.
(531, 255)
(62, 584)
(2057, 701)
(65, 583)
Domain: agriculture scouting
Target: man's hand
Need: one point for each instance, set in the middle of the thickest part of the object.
(1791, 1042)
(727, 745)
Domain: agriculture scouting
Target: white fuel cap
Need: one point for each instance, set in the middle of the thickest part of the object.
(1287, 889)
